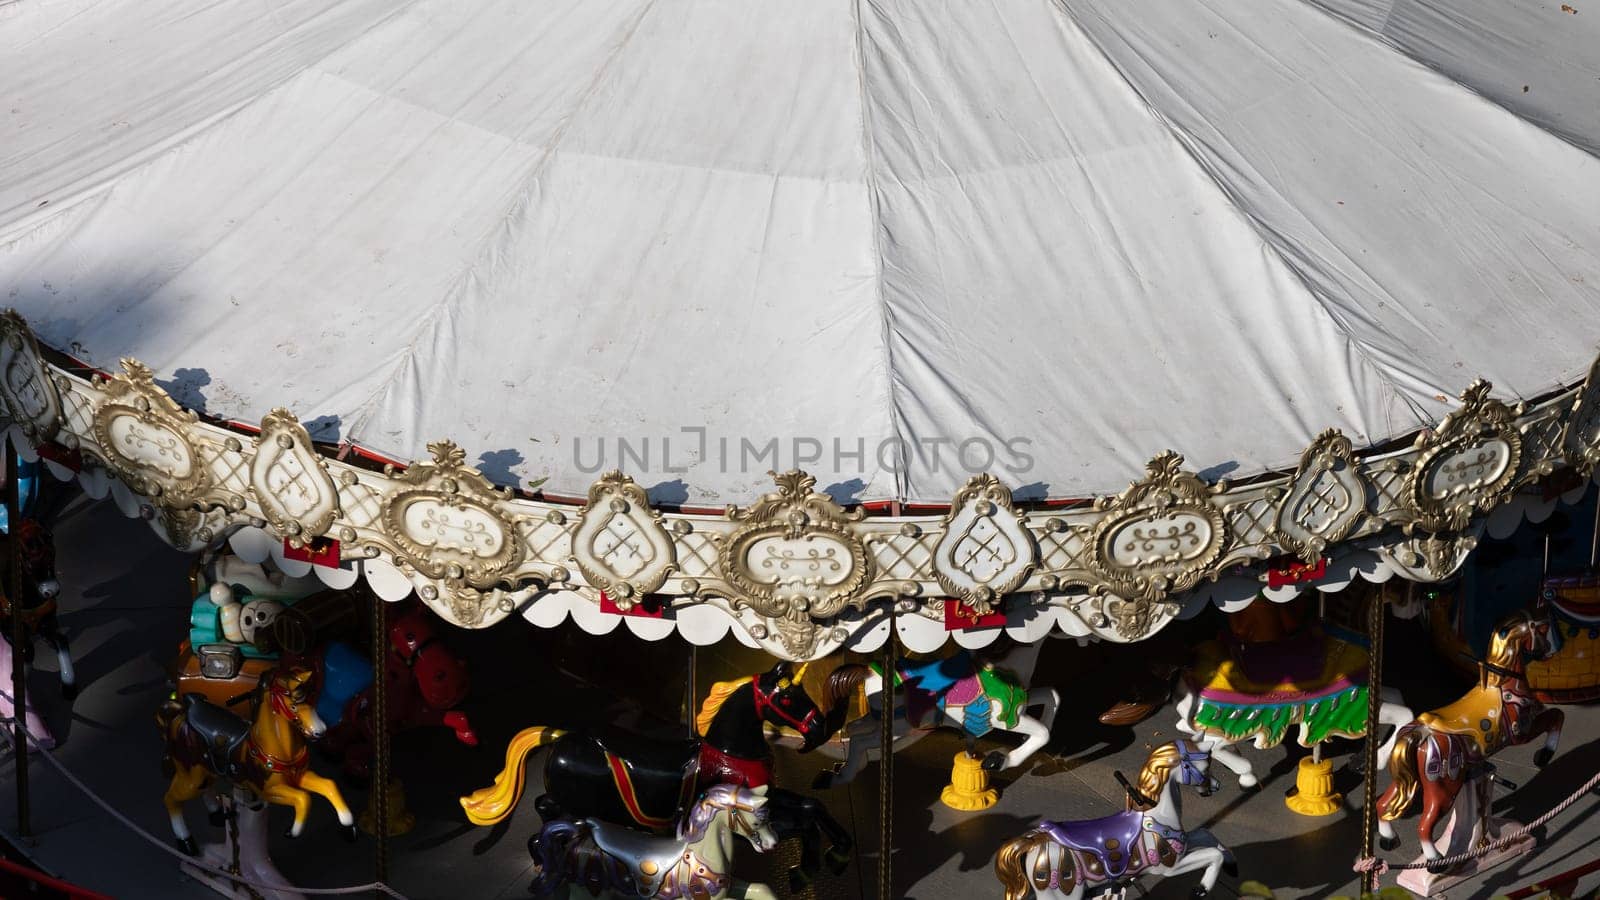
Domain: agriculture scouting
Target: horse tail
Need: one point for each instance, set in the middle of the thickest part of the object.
(1403, 770)
(1011, 863)
(489, 805)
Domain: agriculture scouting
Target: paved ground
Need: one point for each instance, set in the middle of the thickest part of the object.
(124, 601)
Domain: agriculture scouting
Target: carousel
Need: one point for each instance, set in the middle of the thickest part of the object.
(636, 427)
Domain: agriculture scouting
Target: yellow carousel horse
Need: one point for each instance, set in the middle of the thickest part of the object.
(269, 756)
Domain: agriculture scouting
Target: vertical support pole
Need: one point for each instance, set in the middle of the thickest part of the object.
(886, 768)
(380, 738)
(694, 689)
(1369, 805)
(19, 669)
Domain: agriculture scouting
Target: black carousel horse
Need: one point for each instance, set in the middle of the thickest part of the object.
(644, 782)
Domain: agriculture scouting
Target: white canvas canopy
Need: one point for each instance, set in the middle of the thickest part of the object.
(1069, 233)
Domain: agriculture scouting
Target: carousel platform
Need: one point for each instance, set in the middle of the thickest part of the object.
(124, 604)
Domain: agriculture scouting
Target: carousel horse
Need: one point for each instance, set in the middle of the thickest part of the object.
(953, 690)
(269, 756)
(1066, 860)
(1240, 690)
(601, 858)
(643, 783)
(426, 684)
(40, 588)
(1442, 747)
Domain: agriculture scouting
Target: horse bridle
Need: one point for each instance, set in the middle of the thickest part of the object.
(1189, 774)
(764, 703)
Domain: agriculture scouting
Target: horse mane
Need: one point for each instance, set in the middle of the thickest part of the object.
(717, 798)
(720, 692)
(1153, 776)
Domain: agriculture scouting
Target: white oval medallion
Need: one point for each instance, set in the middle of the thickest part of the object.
(150, 446)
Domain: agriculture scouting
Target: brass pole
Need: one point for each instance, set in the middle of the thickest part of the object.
(1369, 805)
(19, 674)
(380, 738)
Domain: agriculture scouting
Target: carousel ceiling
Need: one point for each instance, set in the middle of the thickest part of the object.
(961, 254)
(895, 244)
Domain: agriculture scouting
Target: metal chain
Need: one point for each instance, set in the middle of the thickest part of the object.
(380, 738)
(1369, 818)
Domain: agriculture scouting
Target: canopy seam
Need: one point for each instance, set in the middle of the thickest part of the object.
(869, 150)
(520, 198)
(108, 179)
(1396, 46)
(1182, 139)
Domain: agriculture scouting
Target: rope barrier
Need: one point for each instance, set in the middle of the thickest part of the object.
(1380, 867)
(173, 851)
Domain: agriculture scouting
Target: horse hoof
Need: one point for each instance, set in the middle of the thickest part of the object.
(1543, 757)
(189, 847)
(349, 832)
(798, 882)
(835, 861)
(822, 782)
(1388, 843)
(217, 817)
(69, 692)
(994, 762)
(1231, 868)
(1199, 893)
(1437, 867)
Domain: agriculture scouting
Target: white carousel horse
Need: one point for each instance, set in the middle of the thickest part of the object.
(599, 858)
(1222, 701)
(1066, 860)
(954, 691)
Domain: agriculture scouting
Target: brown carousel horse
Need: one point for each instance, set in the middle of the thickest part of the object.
(1440, 750)
(269, 756)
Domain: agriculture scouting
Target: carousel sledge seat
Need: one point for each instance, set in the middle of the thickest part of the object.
(632, 846)
(1110, 839)
(222, 731)
(1298, 658)
(1476, 715)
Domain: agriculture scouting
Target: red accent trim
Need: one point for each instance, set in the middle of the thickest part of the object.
(61, 456)
(624, 782)
(958, 617)
(52, 887)
(1296, 572)
(1559, 482)
(321, 551)
(644, 609)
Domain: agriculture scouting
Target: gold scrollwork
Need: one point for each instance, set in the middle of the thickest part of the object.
(619, 544)
(985, 551)
(25, 385)
(1467, 465)
(795, 559)
(1326, 499)
(290, 481)
(446, 522)
(1158, 537)
(1580, 440)
(142, 435)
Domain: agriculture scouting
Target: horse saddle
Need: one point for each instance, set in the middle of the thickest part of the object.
(222, 732)
(1476, 716)
(652, 776)
(641, 853)
(1111, 840)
